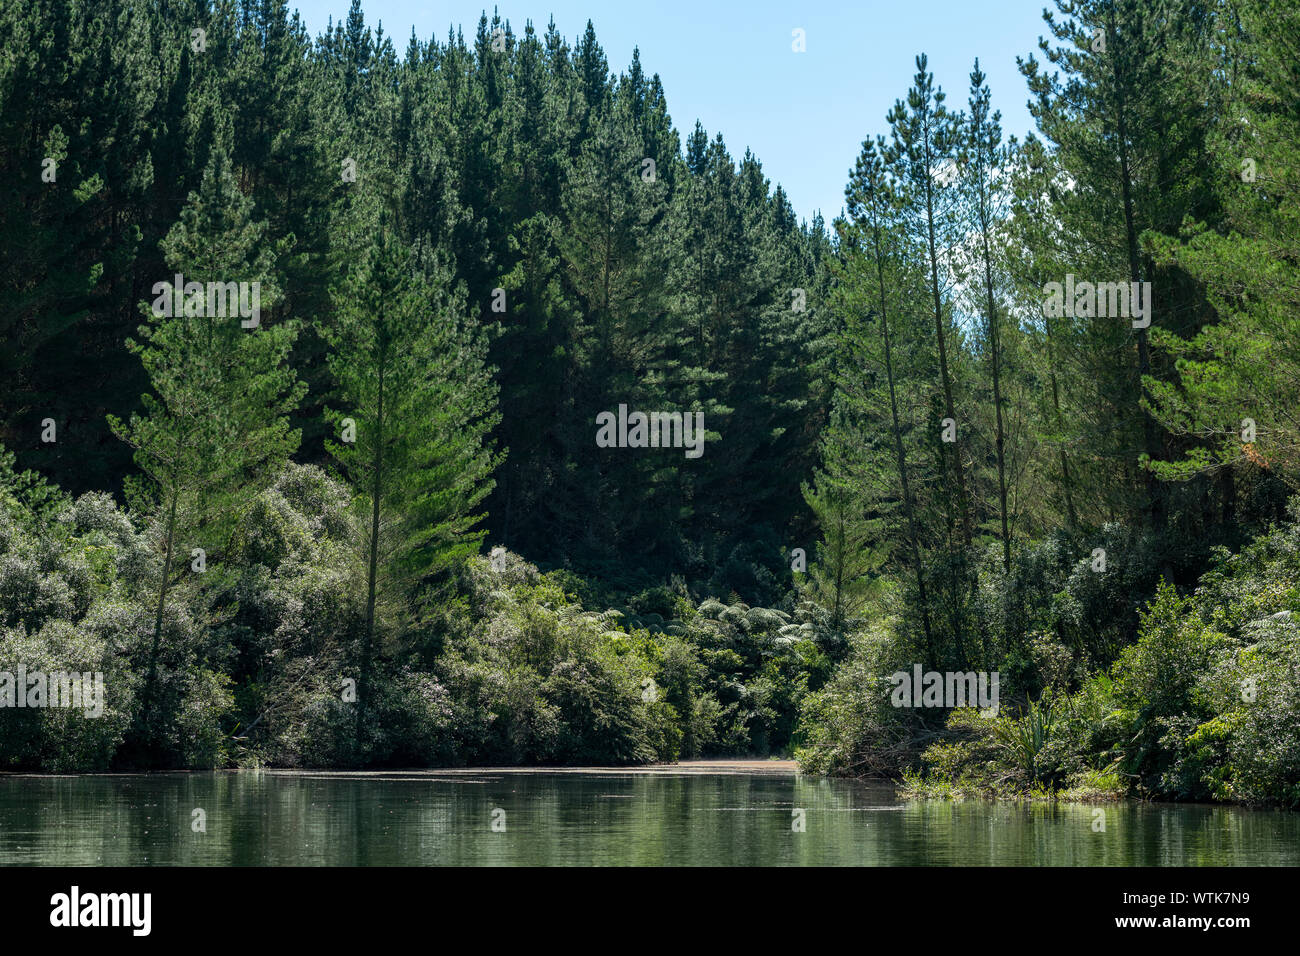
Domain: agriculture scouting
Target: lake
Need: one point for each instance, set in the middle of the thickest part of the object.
(734, 813)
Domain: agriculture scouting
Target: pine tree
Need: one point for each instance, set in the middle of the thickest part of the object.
(1236, 391)
(875, 282)
(1036, 254)
(415, 405)
(612, 242)
(535, 348)
(923, 155)
(214, 429)
(984, 162)
(1127, 109)
(844, 575)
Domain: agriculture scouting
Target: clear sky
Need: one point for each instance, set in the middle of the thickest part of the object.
(729, 64)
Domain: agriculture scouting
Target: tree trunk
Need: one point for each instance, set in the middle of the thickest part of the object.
(372, 574)
(995, 347)
(146, 697)
(1155, 500)
(913, 535)
(1072, 519)
(959, 473)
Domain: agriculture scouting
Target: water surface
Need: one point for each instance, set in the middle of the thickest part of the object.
(687, 816)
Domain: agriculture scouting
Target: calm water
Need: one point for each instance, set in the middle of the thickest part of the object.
(603, 817)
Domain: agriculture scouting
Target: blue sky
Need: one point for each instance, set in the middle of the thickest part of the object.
(730, 65)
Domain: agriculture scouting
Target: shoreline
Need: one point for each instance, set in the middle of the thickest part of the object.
(726, 766)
